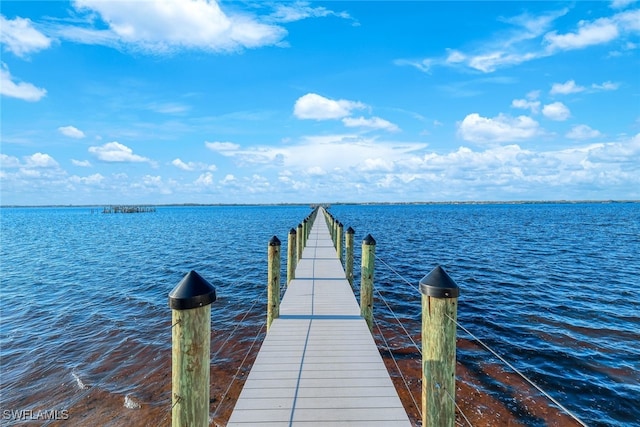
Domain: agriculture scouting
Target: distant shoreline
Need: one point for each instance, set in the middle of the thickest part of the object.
(472, 202)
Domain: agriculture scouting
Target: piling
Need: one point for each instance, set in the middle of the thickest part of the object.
(190, 304)
(348, 242)
(366, 279)
(439, 313)
(273, 281)
(305, 232)
(300, 242)
(291, 256)
(339, 241)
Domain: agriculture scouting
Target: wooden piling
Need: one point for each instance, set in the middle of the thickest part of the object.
(439, 312)
(366, 280)
(273, 281)
(348, 242)
(300, 242)
(292, 248)
(190, 304)
(339, 241)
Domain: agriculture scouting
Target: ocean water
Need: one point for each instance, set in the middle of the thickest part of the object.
(86, 329)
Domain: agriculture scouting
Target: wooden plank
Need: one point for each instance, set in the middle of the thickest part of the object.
(319, 364)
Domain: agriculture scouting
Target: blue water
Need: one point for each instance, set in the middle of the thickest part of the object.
(551, 287)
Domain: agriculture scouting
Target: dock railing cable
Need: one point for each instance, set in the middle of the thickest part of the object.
(502, 359)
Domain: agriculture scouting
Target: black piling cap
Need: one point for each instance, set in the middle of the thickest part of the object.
(192, 292)
(292, 231)
(305, 220)
(350, 230)
(369, 240)
(438, 284)
(274, 241)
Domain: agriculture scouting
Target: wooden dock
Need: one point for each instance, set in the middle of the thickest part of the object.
(318, 364)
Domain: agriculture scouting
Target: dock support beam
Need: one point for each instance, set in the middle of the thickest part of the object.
(348, 242)
(292, 248)
(366, 279)
(339, 241)
(439, 312)
(300, 240)
(190, 304)
(273, 281)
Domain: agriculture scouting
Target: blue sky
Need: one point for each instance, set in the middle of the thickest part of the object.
(269, 102)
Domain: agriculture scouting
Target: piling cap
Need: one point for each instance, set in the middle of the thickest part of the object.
(369, 240)
(192, 292)
(274, 241)
(292, 231)
(438, 284)
(350, 230)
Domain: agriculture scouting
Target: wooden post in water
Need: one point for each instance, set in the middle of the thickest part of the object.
(339, 241)
(305, 231)
(439, 312)
(190, 304)
(300, 242)
(292, 248)
(366, 279)
(273, 281)
(348, 242)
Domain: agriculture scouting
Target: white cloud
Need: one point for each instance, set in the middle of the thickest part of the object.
(71, 132)
(116, 152)
(21, 90)
(9, 161)
(608, 85)
(565, 88)
(556, 111)
(19, 37)
(228, 179)
(526, 104)
(224, 148)
(192, 166)
(206, 180)
(620, 4)
(81, 163)
(582, 132)
(300, 10)
(372, 123)
(167, 25)
(600, 31)
(40, 160)
(502, 128)
(314, 106)
(94, 179)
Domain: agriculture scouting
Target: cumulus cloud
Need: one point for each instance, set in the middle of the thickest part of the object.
(40, 160)
(608, 85)
(371, 123)
(314, 106)
(224, 148)
(192, 166)
(556, 111)
(566, 88)
(526, 104)
(71, 132)
(19, 37)
(161, 26)
(81, 163)
(20, 90)
(114, 152)
(502, 128)
(582, 132)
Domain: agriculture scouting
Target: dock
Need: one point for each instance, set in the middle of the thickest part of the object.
(319, 364)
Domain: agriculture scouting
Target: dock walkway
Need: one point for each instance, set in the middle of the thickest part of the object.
(318, 364)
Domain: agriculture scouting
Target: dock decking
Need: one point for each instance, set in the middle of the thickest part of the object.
(319, 364)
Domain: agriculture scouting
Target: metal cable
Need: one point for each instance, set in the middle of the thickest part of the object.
(395, 362)
(571, 414)
(239, 368)
(399, 322)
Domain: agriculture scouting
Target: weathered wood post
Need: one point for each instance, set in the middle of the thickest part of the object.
(305, 228)
(439, 312)
(292, 248)
(273, 281)
(335, 233)
(300, 242)
(190, 304)
(348, 242)
(339, 241)
(366, 279)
